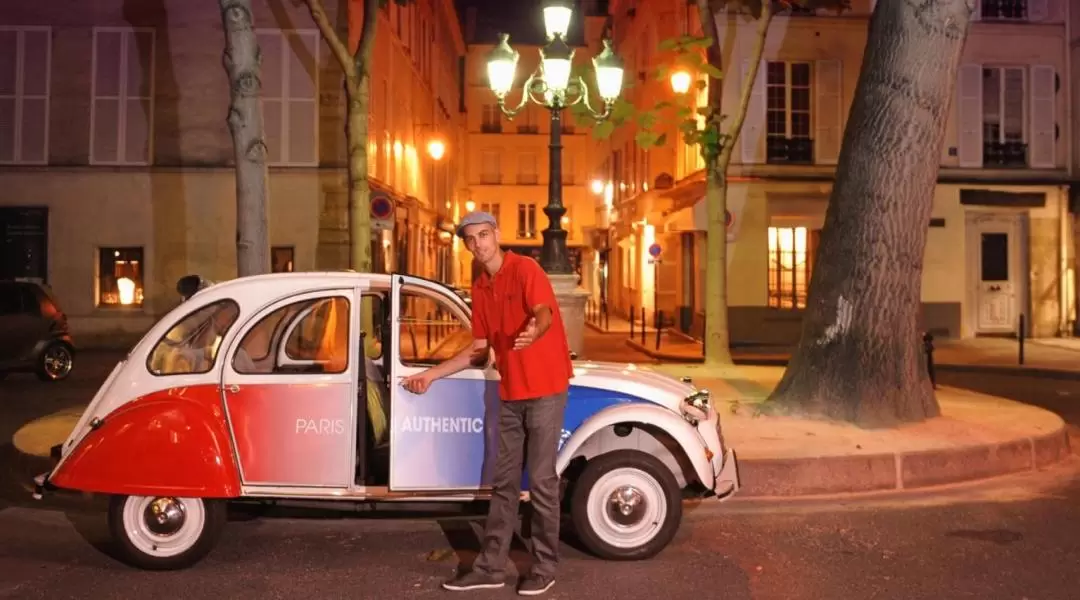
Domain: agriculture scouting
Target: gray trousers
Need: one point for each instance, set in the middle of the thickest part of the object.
(536, 424)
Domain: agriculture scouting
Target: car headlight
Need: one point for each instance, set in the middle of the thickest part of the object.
(696, 405)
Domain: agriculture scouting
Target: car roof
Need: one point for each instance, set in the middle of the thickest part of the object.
(281, 284)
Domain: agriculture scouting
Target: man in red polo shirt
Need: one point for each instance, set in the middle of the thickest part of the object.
(514, 313)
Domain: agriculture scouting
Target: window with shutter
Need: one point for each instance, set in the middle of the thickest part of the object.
(122, 110)
(1004, 132)
(290, 83)
(788, 132)
(25, 61)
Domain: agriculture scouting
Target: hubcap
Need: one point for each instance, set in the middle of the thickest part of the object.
(57, 362)
(626, 505)
(164, 516)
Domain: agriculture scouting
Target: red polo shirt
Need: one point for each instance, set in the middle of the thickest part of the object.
(501, 309)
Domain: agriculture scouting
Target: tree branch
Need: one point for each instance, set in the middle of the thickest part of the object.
(748, 83)
(339, 48)
(713, 55)
(362, 60)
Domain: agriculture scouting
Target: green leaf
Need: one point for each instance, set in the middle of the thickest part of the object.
(701, 84)
(646, 139)
(712, 71)
(684, 112)
(622, 109)
(646, 120)
(669, 44)
(603, 130)
(661, 139)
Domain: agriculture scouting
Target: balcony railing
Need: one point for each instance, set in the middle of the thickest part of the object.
(491, 128)
(780, 150)
(533, 129)
(525, 179)
(1011, 10)
(1005, 154)
(490, 178)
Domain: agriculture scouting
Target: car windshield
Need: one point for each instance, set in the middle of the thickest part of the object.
(191, 346)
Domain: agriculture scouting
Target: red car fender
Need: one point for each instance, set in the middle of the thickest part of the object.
(172, 442)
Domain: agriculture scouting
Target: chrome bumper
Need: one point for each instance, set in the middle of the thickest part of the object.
(727, 478)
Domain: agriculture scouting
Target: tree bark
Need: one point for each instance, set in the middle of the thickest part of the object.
(859, 358)
(241, 60)
(717, 334)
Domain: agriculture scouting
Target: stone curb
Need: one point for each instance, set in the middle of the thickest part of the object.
(763, 478)
(774, 360)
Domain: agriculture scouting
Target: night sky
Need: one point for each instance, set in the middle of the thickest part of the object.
(522, 19)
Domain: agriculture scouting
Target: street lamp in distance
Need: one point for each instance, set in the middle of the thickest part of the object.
(436, 149)
(554, 87)
(680, 82)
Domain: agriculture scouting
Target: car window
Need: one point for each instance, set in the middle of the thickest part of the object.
(430, 332)
(315, 335)
(191, 346)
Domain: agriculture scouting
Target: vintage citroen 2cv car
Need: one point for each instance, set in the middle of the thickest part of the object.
(267, 388)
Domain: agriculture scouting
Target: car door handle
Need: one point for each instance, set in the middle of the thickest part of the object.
(232, 388)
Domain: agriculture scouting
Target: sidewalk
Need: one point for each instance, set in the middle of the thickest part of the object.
(976, 437)
(1051, 357)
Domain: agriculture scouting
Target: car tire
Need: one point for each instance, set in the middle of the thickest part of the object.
(626, 505)
(55, 362)
(165, 533)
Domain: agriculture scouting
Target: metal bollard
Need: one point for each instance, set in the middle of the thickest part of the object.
(659, 324)
(928, 348)
(631, 321)
(643, 313)
(1022, 336)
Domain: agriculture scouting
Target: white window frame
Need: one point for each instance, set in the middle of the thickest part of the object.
(788, 87)
(285, 99)
(1025, 130)
(121, 133)
(19, 96)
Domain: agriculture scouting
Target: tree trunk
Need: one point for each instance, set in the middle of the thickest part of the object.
(717, 344)
(359, 189)
(859, 358)
(717, 335)
(241, 61)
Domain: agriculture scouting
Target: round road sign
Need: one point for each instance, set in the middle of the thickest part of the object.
(381, 206)
(654, 250)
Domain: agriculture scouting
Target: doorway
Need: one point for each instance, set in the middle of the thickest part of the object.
(997, 284)
(24, 241)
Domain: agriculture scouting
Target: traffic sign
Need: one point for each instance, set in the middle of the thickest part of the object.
(382, 211)
(655, 250)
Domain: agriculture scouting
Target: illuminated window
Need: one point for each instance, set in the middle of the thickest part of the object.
(791, 251)
(281, 259)
(120, 277)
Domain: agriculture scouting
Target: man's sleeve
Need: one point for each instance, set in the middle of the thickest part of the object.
(479, 326)
(538, 288)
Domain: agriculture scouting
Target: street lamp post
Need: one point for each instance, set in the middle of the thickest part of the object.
(553, 87)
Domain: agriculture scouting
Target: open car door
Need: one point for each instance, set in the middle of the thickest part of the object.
(445, 439)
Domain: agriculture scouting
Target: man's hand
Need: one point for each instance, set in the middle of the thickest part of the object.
(528, 336)
(419, 383)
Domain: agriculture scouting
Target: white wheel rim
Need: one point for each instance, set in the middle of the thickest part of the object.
(163, 526)
(627, 507)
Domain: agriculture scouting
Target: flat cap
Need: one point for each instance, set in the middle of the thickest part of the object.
(477, 217)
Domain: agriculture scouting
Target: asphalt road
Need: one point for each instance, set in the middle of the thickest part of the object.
(1018, 537)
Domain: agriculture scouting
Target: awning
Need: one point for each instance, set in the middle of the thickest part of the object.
(694, 218)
